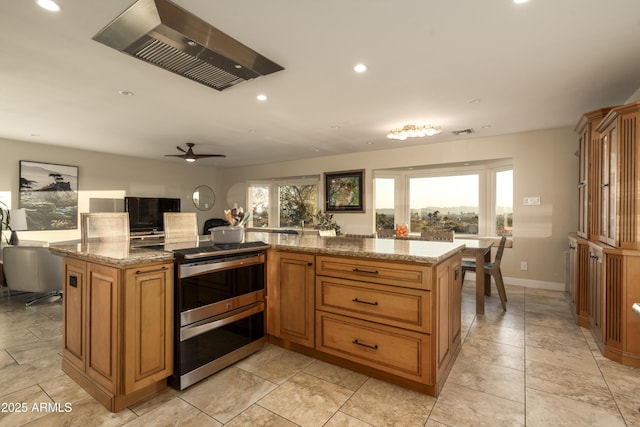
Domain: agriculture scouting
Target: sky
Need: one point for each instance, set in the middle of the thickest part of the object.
(448, 191)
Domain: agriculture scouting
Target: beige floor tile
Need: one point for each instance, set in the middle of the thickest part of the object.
(629, 407)
(275, 364)
(478, 375)
(461, 406)
(556, 339)
(16, 336)
(63, 389)
(497, 333)
(154, 402)
(508, 319)
(17, 377)
(382, 404)
(175, 412)
(87, 413)
(23, 406)
(573, 384)
(621, 379)
(335, 374)
(490, 352)
(35, 350)
(257, 416)
(568, 359)
(545, 410)
(227, 393)
(340, 419)
(306, 400)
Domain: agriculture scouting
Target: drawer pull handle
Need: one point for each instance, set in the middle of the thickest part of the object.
(151, 271)
(364, 302)
(357, 270)
(372, 347)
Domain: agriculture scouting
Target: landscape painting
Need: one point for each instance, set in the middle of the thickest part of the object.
(49, 194)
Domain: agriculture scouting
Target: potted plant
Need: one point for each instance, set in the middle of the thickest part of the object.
(324, 221)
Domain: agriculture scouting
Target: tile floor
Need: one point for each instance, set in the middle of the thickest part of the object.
(530, 366)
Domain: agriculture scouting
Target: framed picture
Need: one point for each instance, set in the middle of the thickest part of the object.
(344, 191)
(49, 194)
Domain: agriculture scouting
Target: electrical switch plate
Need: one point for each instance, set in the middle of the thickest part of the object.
(524, 266)
(531, 201)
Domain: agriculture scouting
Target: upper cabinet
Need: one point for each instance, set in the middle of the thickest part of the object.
(588, 173)
(620, 177)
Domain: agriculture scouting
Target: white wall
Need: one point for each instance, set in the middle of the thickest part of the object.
(106, 176)
(544, 165)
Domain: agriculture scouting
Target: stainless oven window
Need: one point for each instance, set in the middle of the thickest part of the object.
(215, 286)
(203, 348)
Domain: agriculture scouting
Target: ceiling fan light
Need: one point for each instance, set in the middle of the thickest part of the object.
(190, 160)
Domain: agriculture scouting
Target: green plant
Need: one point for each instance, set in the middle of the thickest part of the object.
(324, 221)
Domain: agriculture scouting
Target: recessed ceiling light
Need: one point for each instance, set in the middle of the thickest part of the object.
(360, 68)
(520, 1)
(49, 5)
(261, 97)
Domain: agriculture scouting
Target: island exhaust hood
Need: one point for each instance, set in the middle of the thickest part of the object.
(163, 34)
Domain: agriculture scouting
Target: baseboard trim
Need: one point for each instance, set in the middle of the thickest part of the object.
(526, 283)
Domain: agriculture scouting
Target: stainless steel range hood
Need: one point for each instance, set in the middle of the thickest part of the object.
(164, 34)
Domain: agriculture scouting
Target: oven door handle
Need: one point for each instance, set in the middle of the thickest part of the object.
(233, 316)
(194, 269)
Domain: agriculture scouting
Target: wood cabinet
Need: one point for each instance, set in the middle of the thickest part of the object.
(595, 292)
(118, 329)
(291, 296)
(588, 173)
(606, 255)
(395, 320)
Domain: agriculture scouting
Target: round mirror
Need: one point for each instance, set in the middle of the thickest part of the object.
(203, 197)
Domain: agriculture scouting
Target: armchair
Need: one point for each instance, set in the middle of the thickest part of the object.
(33, 269)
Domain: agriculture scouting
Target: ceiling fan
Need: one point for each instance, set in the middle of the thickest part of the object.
(190, 156)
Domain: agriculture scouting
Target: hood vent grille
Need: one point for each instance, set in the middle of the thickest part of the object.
(163, 34)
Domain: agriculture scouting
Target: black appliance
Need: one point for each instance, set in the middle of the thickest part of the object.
(146, 214)
(219, 308)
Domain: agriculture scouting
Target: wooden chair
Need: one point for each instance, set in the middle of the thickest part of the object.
(180, 226)
(492, 268)
(437, 235)
(104, 226)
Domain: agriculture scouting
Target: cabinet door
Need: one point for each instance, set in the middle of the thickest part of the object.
(455, 290)
(102, 325)
(148, 325)
(583, 184)
(595, 293)
(443, 313)
(291, 297)
(74, 309)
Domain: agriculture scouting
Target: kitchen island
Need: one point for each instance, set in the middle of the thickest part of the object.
(387, 308)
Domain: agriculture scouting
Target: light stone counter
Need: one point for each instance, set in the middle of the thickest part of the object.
(123, 254)
(387, 249)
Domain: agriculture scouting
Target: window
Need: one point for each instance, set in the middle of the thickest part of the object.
(298, 204)
(384, 203)
(504, 202)
(470, 199)
(444, 203)
(296, 201)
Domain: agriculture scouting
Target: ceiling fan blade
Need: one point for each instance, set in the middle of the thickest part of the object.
(182, 149)
(202, 156)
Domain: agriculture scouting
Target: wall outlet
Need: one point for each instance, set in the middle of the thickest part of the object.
(524, 266)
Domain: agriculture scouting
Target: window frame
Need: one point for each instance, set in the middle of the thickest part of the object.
(274, 196)
(486, 172)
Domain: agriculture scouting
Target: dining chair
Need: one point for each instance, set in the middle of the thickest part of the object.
(437, 235)
(104, 226)
(180, 225)
(492, 268)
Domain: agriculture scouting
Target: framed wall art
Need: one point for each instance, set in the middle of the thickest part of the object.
(49, 194)
(344, 191)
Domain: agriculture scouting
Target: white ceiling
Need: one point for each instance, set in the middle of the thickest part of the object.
(532, 66)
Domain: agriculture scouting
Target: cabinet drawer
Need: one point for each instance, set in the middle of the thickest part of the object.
(402, 307)
(396, 351)
(386, 273)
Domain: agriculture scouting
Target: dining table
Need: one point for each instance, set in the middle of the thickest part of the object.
(480, 250)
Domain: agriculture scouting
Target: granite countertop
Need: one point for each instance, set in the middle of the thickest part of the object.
(385, 249)
(124, 253)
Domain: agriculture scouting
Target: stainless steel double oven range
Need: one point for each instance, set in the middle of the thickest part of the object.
(219, 308)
